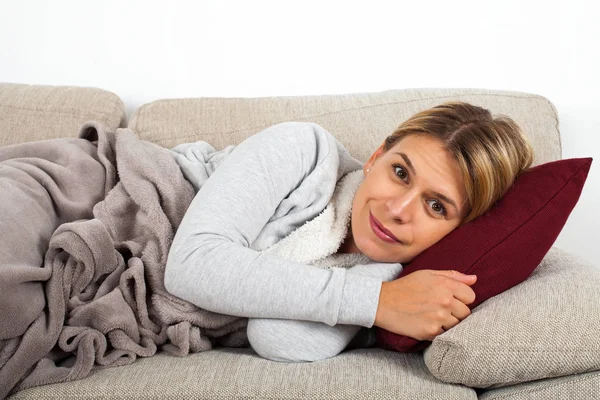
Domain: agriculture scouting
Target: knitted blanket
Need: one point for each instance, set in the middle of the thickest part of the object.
(86, 228)
(81, 274)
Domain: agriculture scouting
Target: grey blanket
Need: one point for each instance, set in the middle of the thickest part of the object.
(86, 226)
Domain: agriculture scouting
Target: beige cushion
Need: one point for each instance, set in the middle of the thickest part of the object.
(230, 373)
(360, 121)
(36, 112)
(573, 387)
(545, 327)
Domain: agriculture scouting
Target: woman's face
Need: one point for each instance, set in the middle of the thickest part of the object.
(415, 190)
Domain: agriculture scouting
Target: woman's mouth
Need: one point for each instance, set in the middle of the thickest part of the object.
(381, 232)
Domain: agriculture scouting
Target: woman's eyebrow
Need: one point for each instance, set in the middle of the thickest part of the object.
(412, 168)
(407, 161)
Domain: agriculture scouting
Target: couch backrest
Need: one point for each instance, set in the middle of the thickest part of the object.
(360, 121)
(37, 112)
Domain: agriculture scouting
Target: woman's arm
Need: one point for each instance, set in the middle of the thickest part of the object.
(210, 263)
(287, 340)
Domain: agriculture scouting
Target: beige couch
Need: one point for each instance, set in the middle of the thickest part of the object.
(537, 340)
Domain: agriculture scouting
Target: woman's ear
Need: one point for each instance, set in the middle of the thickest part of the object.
(371, 161)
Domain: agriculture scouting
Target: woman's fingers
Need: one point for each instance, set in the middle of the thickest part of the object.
(460, 310)
(451, 321)
(424, 303)
(463, 292)
(460, 284)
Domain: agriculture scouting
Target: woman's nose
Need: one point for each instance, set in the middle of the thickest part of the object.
(402, 207)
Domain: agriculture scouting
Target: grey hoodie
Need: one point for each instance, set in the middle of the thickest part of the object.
(229, 254)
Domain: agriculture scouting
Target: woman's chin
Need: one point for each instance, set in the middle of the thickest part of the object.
(380, 255)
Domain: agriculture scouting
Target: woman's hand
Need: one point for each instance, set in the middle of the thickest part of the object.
(425, 303)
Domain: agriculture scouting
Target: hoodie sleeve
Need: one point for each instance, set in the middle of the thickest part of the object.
(290, 340)
(211, 264)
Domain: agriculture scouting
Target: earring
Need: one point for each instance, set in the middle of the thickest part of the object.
(368, 169)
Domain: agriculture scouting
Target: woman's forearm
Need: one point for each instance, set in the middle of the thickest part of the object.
(235, 280)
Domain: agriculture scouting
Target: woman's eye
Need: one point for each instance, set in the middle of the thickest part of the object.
(437, 207)
(401, 172)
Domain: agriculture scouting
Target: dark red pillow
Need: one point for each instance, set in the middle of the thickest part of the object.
(505, 245)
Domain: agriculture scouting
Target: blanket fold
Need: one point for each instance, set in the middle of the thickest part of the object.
(87, 225)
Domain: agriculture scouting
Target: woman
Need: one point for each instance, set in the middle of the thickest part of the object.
(441, 168)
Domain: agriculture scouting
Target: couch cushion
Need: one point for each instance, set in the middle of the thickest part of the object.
(230, 373)
(547, 326)
(37, 112)
(360, 121)
(573, 387)
(504, 246)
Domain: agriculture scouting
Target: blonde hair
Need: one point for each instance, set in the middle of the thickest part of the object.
(491, 152)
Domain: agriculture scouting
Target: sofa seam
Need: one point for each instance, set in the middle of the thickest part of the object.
(556, 124)
(51, 110)
(533, 390)
(525, 349)
(138, 112)
(448, 346)
(483, 92)
(115, 112)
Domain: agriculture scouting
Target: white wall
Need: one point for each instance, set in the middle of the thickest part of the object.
(146, 50)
